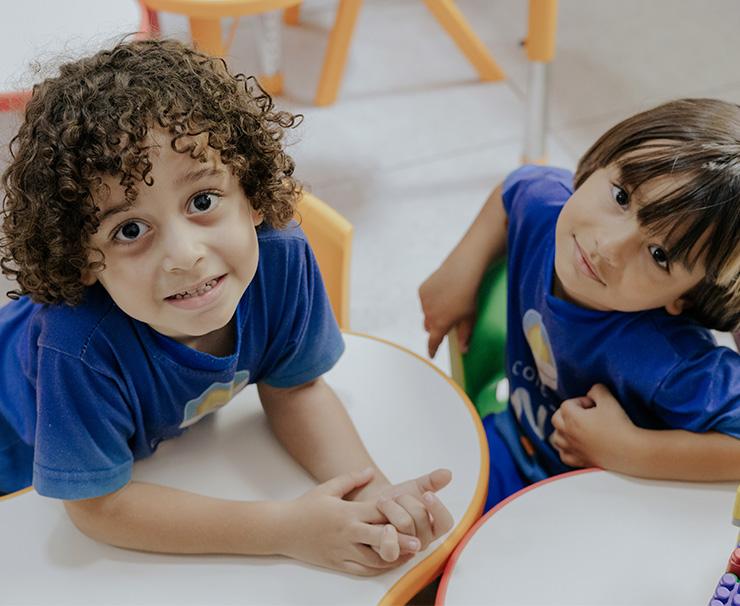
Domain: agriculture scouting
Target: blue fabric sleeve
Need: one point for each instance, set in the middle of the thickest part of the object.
(82, 431)
(702, 393)
(533, 185)
(311, 342)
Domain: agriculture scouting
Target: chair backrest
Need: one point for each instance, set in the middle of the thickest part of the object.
(330, 236)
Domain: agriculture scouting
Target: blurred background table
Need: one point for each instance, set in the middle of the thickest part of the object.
(412, 418)
(35, 32)
(596, 537)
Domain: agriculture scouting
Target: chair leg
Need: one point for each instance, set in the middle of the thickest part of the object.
(207, 35)
(540, 52)
(269, 47)
(292, 15)
(450, 17)
(336, 53)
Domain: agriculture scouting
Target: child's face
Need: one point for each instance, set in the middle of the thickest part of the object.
(604, 259)
(181, 258)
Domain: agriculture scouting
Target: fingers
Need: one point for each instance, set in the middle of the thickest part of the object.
(347, 482)
(389, 549)
(427, 520)
(435, 339)
(435, 481)
(600, 392)
(464, 332)
(367, 563)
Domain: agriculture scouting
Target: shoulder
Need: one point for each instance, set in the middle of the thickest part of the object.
(701, 389)
(291, 236)
(73, 330)
(540, 182)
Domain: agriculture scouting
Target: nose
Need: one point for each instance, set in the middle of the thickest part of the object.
(182, 247)
(617, 240)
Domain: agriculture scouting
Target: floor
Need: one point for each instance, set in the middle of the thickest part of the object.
(415, 142)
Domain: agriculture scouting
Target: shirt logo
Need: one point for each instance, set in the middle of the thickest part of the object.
(214, 397)
(539, 343)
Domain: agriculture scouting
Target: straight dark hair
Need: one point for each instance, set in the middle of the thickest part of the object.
(697, 141)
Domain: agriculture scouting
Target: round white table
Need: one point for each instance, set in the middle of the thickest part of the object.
(412, 418)
(596, 537)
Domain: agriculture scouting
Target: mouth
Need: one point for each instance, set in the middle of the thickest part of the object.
(197, 291)
(584, 265)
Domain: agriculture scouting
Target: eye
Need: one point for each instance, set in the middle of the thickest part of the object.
(128, 232)
(201, 203)
(620, 196)
(659, 256)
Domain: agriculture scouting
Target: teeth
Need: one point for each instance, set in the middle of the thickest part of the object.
(195, 293)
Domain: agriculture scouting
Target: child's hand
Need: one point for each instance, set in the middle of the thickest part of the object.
(348, 536)
(448, 299)
(413, 508)
(592, 431)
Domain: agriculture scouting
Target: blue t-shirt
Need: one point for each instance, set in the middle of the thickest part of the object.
(666, 371)
(88, 390)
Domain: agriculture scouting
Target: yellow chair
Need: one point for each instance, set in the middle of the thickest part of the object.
(445, 11)
(330, 236)
(205, 26)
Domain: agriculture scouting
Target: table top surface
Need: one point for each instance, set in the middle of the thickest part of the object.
(412, 418)
(596, 537)
(48, 32)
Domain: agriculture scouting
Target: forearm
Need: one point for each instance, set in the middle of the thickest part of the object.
(149, 517)
(676, 454)
(485, 240)
(314, 427)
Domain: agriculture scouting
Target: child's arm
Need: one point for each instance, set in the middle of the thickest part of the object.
(314, 427)
(317, 527)
(322, 526)
(449, 295)
(594, 431)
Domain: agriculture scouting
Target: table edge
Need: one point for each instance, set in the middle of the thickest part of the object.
(450, 565)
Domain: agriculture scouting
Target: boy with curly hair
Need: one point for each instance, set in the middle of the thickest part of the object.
(146, 223)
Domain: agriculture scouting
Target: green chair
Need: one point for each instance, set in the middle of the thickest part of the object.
(481, 372)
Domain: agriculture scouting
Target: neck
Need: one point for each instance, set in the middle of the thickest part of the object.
(219, 343)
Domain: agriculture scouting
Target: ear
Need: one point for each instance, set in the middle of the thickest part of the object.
(257, 217)
(88, 277)
(677, 307)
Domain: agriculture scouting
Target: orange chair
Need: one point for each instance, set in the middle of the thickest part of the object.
(205, 27)
(330, 236)
(543, 16)
(445, 11)
(542, 24)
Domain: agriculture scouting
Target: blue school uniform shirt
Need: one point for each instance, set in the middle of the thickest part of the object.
(87, 390)
(666, 371)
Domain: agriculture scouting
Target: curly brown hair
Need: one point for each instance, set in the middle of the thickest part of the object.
(92, 120)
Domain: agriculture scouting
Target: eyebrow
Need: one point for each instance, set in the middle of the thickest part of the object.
(196, 175)
(113, 210)
(187, 179)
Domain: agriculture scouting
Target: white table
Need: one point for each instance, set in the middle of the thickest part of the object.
(412, 418)
(44, 31)
(596, 537)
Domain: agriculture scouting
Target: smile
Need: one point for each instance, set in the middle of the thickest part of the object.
(584, 265)
(189, 294)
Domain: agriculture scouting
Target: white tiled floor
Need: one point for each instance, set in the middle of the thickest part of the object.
(415, 142)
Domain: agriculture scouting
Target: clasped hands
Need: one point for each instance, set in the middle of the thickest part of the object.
(360, 524)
